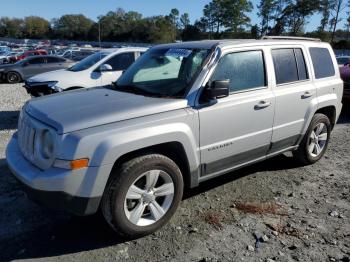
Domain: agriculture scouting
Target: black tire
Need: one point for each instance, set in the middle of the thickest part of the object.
(303, 155)
(13, 77)
(122, 178)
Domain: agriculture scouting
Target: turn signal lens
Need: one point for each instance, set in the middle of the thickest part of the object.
(79, 163)
(74, 164)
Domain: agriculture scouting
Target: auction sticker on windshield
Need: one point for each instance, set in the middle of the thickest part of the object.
(178, 52)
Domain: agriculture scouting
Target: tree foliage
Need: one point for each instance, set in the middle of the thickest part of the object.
(220, 19)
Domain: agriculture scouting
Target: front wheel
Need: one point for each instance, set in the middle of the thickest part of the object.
(142, 195)
(315, 141)
(13, 77)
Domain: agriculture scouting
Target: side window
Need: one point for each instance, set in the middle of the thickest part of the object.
(53, 60)
(322, 62)
(285, 66)
(289, 64)
(35, 61)
(122, 61)
(245, 70)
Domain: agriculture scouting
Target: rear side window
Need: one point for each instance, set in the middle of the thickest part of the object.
(322, 62)
(245, 70)
(289, 64)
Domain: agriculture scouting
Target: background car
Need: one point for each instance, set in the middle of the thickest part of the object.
(99, 69)
(26, 54)
(24, 69)
(345, 76)
(343, 60)
(77, 55)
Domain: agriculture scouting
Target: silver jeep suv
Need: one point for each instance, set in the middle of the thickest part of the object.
(181, 114)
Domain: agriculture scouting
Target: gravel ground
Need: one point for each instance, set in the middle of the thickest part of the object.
(272, 211)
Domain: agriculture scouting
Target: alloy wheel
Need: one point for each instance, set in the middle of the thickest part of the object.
(318, 140)
(149, 197)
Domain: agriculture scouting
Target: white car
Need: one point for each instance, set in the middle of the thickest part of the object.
(99, 69)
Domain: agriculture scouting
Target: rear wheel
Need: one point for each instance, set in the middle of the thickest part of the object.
(142, 195)
(13, 77)
(315, 141)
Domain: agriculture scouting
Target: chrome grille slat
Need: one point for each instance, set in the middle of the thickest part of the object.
(26, 136)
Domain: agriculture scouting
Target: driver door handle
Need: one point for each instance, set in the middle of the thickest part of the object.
(307, 94)
(262, 105)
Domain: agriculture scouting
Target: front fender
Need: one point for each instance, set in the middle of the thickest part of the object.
(104, 145)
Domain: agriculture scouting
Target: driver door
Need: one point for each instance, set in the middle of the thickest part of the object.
(237, 129)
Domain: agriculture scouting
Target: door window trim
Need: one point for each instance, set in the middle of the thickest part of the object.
(266, 86)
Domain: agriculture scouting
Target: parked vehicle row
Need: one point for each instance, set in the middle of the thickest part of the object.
(180, 115)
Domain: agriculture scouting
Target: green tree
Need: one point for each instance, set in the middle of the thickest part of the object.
(184, 20)
(266, 9)
(325, 10)
(291, 16)
(337, 7)
(73, 26)
(36, 27)
(233, 13)
(174, 18)
(11, 27)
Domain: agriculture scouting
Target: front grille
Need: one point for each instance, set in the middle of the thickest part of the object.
(26, 137)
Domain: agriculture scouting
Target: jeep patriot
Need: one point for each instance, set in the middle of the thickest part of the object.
(183, 113)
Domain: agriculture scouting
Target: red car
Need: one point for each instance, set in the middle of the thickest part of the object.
(14, 59)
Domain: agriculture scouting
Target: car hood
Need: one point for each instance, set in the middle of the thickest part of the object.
(57, 75)
(81, 109)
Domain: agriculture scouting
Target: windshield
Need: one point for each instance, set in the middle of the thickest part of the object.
(163, 72)
(87, 62)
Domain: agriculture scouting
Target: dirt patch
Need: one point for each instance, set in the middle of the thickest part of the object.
(259, 208)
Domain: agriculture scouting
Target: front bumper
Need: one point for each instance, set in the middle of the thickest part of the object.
(77, 192)
(38, 89)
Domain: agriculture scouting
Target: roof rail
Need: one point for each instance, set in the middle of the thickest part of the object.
(290, 38)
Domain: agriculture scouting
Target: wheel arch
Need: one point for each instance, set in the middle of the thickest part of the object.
(15, 71)
(173, 150)
(330, 112)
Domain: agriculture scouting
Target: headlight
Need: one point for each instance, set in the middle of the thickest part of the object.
(46, 144)
(53, 85)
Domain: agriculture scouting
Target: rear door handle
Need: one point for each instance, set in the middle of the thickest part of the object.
(307, 94)
(262, 105)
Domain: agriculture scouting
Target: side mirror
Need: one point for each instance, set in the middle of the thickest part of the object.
(217, 89)
(25, 64)
(106, 68)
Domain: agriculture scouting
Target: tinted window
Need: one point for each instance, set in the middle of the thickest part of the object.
(55, 60)
(122, 61)
(302, 71)
(322, 62)
(285, 65)
(88, 62)
(245, 70)
(35, 61)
